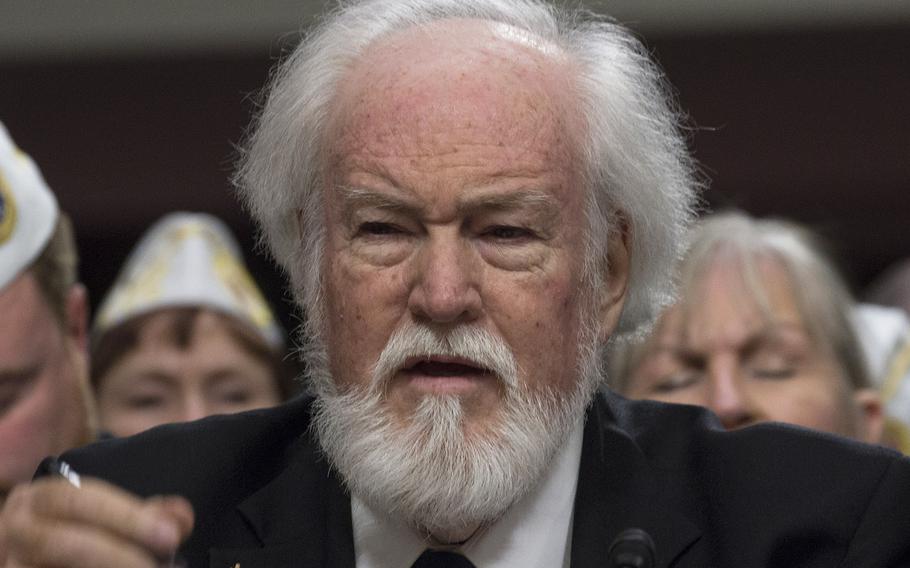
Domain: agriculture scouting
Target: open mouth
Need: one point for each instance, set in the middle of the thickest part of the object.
(442, 367)
(445, 375)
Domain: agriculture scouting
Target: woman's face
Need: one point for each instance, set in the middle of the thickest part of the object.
(724, 354)
(160, 381)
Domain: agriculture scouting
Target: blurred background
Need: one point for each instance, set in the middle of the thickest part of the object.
(132, 108)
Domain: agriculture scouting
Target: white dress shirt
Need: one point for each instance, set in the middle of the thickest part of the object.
(534, 533)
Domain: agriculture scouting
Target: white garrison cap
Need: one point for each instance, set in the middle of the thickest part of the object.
(885, 335)
(28, 210)
(882, 331)
(187, 259)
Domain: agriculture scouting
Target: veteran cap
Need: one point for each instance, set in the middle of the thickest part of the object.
(28, 210)
(187, 259)
(884, 333)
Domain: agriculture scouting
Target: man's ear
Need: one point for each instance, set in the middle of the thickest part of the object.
(871, 419)
(77, 316)
(612, 295)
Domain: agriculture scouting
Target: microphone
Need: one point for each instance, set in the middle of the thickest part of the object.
(632, 548)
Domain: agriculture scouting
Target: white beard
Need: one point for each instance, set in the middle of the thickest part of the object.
(429, 472)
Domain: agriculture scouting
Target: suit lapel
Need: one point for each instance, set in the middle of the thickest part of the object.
(301, 518)
(618, 490)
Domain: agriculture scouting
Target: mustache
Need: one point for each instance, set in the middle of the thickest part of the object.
(475, 345)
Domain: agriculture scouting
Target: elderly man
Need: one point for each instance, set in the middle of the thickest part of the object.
(44, 395)
(469, 197)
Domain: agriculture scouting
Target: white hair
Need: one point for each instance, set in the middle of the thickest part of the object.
(475, 477)
(640, 176)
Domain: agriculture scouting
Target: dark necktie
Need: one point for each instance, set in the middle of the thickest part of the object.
(441, 559)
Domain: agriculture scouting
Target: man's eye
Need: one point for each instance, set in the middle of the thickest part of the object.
(376, 228)
(508, 233)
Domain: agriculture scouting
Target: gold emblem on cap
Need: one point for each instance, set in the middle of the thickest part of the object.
(7, 211)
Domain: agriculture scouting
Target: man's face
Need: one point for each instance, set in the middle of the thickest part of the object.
(42, 383)
(452, 199)
(723, 353)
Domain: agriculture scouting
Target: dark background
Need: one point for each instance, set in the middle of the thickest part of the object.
(811, 124)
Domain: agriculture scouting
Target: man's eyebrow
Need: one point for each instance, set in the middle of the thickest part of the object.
(533, 199)
(536, 200)
(356, 197)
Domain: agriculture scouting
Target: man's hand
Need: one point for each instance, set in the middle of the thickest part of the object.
(52, 523)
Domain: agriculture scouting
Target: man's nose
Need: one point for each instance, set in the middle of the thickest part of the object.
(729, 396)
(445, 282)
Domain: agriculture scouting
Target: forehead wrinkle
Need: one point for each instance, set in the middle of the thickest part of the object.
(403, 171)
(538, 201)
(353, 149)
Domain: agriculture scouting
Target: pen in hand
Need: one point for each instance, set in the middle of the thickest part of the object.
(58, 468)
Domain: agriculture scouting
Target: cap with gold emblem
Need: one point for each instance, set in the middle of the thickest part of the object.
(187, 259)
(28, 210)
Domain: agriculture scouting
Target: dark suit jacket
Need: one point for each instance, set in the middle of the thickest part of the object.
(769, 495)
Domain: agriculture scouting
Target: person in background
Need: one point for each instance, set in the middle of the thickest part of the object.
(45, 402)
(762, 331)
(185, 333)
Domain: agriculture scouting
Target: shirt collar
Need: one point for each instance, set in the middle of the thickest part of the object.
(535, 532)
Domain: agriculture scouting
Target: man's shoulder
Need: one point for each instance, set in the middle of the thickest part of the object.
(192, 457)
